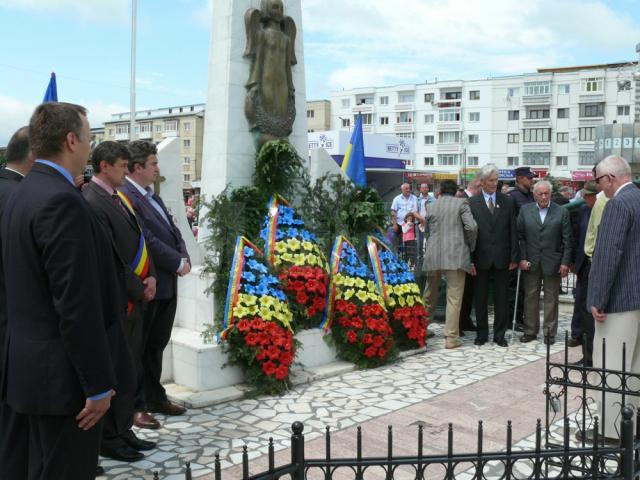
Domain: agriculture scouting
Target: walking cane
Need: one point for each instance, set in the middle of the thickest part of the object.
(515, 308)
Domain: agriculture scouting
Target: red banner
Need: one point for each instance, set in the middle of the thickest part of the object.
(581, 175)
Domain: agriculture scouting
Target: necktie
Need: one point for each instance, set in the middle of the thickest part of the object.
(492, 207)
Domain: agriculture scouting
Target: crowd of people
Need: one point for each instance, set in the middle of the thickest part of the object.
(524, 239)
(88, 295)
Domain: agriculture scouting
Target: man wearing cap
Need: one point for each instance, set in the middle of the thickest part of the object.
(585, 322)
(522, 195)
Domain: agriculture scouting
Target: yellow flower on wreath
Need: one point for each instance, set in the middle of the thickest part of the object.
(294, 244)
(307, 246)
(362, 295)
(349, 293)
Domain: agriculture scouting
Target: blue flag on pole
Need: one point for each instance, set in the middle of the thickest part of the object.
(51, 95)
(353, 162)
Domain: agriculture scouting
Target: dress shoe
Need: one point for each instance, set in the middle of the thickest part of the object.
(479, 341)
(549, 340)
(124, 453)
(138, 443)
(527, 338)
(574, 342)
(501, 342)
(99, 471)
(167, 408)
(588, 438)
(145, 420)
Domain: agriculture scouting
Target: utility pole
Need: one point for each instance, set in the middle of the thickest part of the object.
(132, 102)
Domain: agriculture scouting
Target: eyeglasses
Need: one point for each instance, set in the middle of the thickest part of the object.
(597, 179)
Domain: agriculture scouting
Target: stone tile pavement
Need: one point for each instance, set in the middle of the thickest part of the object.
(433, 388)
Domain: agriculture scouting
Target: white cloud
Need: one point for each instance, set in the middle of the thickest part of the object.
(13, 115)
(94, 10)
(454, 39)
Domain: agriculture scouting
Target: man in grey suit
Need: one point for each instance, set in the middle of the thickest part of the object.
(613, 283)
(544, 234)
(450, 238)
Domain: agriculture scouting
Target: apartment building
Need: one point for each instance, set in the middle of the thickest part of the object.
(546, 120)
(185, 122)
(318, 115)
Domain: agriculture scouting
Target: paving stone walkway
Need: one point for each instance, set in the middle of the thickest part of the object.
(361, 397)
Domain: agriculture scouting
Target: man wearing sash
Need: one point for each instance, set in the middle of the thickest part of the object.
(113, 210)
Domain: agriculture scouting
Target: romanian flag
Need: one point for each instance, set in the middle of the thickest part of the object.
(51, 95)
(353, 162)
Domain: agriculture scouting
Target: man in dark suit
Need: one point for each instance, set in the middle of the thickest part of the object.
(63, 361)
(496, 253)
(466, 324)
(110, 161)
(613, 284)
(544, 233)
(171, 259)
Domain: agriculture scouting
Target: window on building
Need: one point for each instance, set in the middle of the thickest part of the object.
(171, 110)
(187, 177)
(537, 88)
(563, 113)
(405, 117)
(448, 160)
(536, 158)
(311, 113)
(448, 138)
(513, 92)
(586, 158)
(346, 102)
(562, 161)
(536, 135)
(428, 118)
(474, 116)
(186, 144)
(624, 85)
(473, 161)
(512, 161)
(407, 97)
(592, 110)
(346, 122)
(111, 132)
(564, 89)
(592, 84)
(364, 100)
(623, 110)
(428, 162)
(474, 138)
(158, 128)
(145, 128)
(405, 135)
(367, 118)
(474, 95)
(428, 139)
(538, 114)
(514, 114)
(562, 137)
(451, 96)
(137, 129)
(171, 126)
(122, 129)
(513, 138)
(191, 108)
(384, 100)
(449, 115)
(187, 161)
(384, 120)
(428, 97)
(586, 134)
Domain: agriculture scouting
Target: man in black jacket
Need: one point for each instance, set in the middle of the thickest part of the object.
(495, 255)
(64, 357)
(110, 161)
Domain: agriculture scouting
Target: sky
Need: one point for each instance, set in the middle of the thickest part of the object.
(347, 44)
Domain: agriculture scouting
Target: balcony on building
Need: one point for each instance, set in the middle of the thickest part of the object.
(537, 116)
(591, 90)
(364, 103)
(537, 93)
(591, 113)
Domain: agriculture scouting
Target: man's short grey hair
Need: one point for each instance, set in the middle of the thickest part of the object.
(614, 165)
(565, 189)
(542, 183)
(487, 170)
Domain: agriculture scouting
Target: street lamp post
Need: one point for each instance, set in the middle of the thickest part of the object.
(132, 104)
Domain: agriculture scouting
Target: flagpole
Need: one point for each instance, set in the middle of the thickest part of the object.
(132, 103)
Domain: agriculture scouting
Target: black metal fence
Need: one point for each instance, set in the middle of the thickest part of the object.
(554, 456)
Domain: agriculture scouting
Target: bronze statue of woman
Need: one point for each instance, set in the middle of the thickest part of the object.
(270, 103)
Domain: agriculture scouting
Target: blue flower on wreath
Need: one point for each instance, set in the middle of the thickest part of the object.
(248, 252)
(248, 277)
(253, 265)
